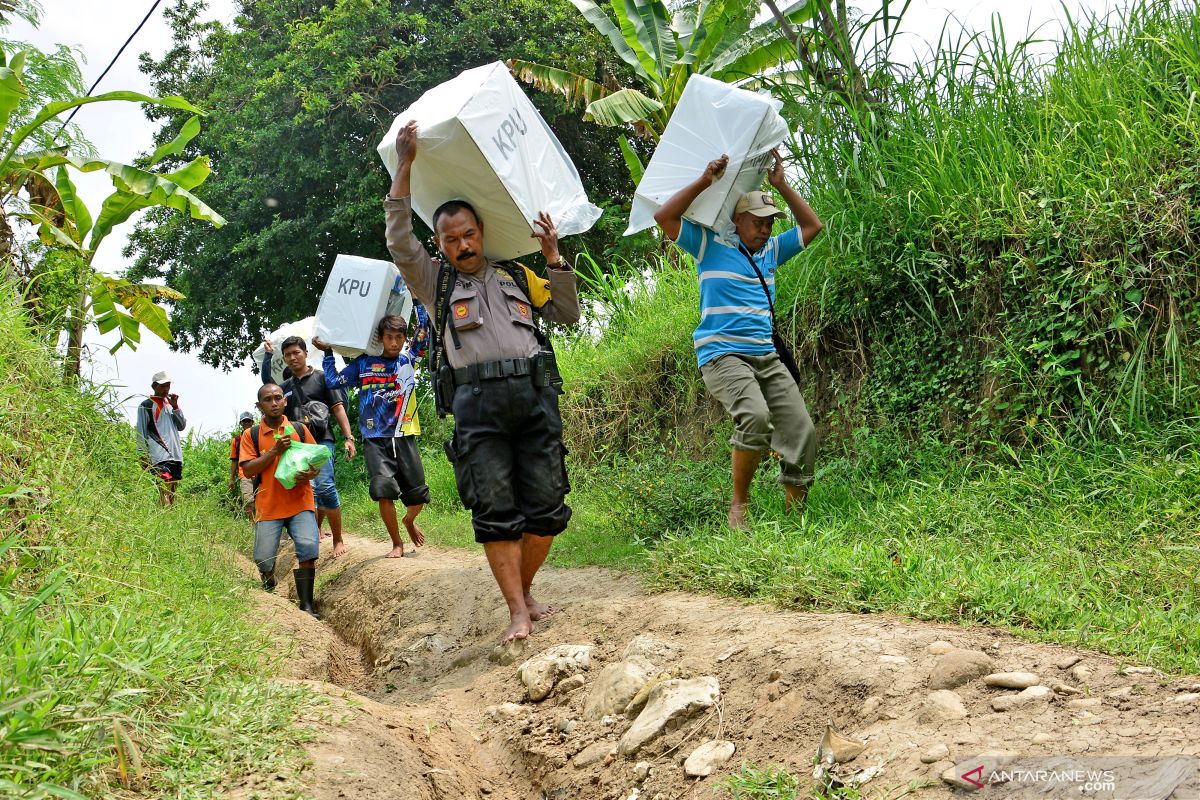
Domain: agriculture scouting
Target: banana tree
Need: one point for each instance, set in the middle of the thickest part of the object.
(52, 204)
(664, 48)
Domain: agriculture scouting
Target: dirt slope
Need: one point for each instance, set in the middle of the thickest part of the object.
(414, 712)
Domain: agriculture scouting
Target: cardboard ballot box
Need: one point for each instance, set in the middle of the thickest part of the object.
(711, 118)
(302, 328)
(359, 293)
(480, 139)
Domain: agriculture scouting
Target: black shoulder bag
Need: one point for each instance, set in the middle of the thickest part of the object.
(785, 352)
(313, 413)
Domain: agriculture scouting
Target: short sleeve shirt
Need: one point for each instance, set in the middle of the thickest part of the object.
(735, 316)
(235, 452)
(273, 501)
(312, 387)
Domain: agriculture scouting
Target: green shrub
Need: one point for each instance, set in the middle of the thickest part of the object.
(125, 656)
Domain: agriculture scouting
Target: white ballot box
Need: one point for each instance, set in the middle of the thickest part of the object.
(359, 292)
(302, 328)
(711, 119)
(480, 139)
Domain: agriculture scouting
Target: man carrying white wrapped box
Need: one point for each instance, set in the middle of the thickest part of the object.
(734, 342)
(508, 451)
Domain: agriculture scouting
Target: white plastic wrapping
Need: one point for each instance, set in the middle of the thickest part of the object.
(480, 139)
(712, 118)
(302, 328)
(359, 292)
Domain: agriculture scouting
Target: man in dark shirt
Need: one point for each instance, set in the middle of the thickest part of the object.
(310, 386)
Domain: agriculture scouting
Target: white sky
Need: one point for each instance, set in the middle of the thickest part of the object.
(212, 398)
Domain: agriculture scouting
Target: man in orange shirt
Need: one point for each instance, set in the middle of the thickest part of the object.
(278, 508)
(238, 482)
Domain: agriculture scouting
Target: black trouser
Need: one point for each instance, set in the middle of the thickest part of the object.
(509, 459)
(394, 464)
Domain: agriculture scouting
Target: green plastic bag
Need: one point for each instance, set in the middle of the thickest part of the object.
(300, 457)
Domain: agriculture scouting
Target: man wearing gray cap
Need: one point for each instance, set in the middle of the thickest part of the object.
(739, 354)
(237, 479)
(159, 422)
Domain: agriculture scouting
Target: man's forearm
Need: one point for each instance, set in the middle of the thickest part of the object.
(564, 298)
(401, 182)
(339, 413)
(806, 219)
(671, 212)
(418, 268)
(254, 467)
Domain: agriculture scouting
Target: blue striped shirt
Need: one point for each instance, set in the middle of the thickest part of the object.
(734, 314)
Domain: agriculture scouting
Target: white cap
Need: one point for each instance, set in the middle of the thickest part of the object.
(161, 377)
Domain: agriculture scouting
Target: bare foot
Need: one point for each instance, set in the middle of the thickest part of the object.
(397, 552)
(794, 498)
(519, 628)
(538, 611)
(414, 533)
(339, 549)
(737, 518)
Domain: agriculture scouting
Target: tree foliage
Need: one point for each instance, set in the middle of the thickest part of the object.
(36, 187)
(663, 48)
(299, 93)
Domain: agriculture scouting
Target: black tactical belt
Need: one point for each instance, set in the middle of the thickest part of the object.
(491, 370)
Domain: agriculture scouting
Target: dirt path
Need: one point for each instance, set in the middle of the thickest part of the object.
(417, 702)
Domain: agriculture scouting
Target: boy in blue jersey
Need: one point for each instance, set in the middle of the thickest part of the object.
(387, 420)
(734, 345)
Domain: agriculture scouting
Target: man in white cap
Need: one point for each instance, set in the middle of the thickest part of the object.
(159, 422)
(735, 344)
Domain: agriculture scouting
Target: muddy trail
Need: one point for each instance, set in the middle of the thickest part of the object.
(626, 694)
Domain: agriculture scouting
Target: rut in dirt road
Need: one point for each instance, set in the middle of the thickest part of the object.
(764, 684)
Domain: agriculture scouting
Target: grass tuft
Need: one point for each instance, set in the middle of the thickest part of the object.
(126, 661)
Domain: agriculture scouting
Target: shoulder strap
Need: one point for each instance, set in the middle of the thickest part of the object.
(298, 389)
(441, 310)
(152, 427)
(254, 439)
(256, 431)
(762, 281)
(516, 271)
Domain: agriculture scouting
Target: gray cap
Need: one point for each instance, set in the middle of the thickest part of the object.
(245, 416)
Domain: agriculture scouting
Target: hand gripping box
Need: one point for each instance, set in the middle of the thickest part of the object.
(302, 328)
(480, 139)
(712, 118)
(359, 292)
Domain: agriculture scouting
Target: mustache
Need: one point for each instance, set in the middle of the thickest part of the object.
(468, 254)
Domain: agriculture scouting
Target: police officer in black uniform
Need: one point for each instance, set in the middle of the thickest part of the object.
(499, 382)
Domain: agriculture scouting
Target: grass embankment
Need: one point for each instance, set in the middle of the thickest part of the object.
(127, 667)
(1000, 327)
(1094, 545)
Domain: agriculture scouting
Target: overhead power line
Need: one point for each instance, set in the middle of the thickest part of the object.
(128, 39)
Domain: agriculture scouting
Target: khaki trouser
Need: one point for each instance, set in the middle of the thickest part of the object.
(767, 410)
(247, 489)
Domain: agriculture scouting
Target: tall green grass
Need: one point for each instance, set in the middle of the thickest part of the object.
(126, 663)
(1010, 236)
(1091, 546)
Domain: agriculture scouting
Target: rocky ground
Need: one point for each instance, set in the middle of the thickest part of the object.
(624, 694)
